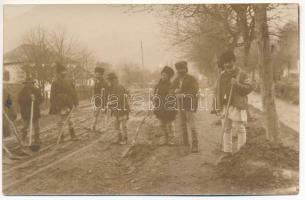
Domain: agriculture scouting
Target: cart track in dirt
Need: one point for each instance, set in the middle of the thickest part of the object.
(51, 154)
(90, 166)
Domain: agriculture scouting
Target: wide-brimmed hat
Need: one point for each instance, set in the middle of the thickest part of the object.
(60, 67)
(100, 70)
(181, 65)
(112, 76)
(227, 56)
(28, 80)
(169, 71)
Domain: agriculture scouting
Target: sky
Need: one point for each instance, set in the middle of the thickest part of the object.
(111, 33)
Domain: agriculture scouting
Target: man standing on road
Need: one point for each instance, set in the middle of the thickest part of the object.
(119, 106)
(163, 111)
(235, 80)
(28, 94)
(186, 88)
(63, 98)
(101, 90)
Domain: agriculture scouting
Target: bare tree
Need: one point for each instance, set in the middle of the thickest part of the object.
(38, 55)
(85, 63)
(266, 74)
(63, 45)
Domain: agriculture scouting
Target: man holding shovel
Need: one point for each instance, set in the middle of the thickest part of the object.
(232, 88)
(29, 99)
(63, 99)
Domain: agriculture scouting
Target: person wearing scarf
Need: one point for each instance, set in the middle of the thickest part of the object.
(163, 109)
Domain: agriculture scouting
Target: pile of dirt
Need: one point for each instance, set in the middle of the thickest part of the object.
(139, 152)
(259, 163)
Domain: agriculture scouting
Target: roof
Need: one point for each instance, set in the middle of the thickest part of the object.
(23, 54)
(19, 54)
(15, 56)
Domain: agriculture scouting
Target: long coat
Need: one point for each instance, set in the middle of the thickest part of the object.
(239, 93)
(118, 101)
(189, 89)
(163, 108)
(24, 100)
(63, 95)
(100, 99)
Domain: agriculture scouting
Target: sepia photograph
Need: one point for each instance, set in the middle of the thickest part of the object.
(151, 99)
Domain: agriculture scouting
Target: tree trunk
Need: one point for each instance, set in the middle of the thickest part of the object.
(266, 74)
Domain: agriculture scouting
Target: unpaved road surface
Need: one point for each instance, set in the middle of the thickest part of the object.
(90, 165)
(287, 112)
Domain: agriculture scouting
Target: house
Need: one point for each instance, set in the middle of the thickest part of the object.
(13, 73)
(13, 63)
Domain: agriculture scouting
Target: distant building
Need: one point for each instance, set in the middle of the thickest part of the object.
(13, 63)
(13, 73)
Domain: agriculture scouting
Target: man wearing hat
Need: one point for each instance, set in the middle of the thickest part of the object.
(28, 94)
(119, 106)
(101, 90)
(233, 82)
(63, 98)
(186, 88)
(165, 112)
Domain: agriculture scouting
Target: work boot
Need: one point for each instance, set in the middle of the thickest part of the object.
(123, 141)
(61, 139)
(37, 139)
(23, 135)
(104, 129)
(119, 139)
(194, 147)
(93, 128)
(72, 134)
(185, 138)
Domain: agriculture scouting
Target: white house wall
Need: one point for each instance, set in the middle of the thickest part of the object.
(16, 74)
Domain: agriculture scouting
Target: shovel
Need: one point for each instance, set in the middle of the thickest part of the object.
(225, 121)
(12, 125)
(33, 147)
(62, 128)
(136, 137)
(137, 134)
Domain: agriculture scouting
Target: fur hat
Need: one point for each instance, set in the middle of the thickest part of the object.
(181, 65)
(60, 67)
(169, 71)
(99, 70)
(112, 76)
(226, 57)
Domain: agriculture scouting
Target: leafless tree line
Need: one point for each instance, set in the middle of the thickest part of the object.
(203, 31)
(41, 48)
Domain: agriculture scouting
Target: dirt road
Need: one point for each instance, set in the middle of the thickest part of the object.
(90, 166)
(288, 113)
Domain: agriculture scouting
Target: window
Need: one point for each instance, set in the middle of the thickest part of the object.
(6, 75)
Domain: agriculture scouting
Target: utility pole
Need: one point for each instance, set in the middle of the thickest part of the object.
(142, 55)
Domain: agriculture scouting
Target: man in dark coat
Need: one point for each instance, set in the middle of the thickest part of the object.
(235, 80)
(101, 90)
(63, 98)
(186, 88)
(28, 94)
(163, 110)
(119, 106)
